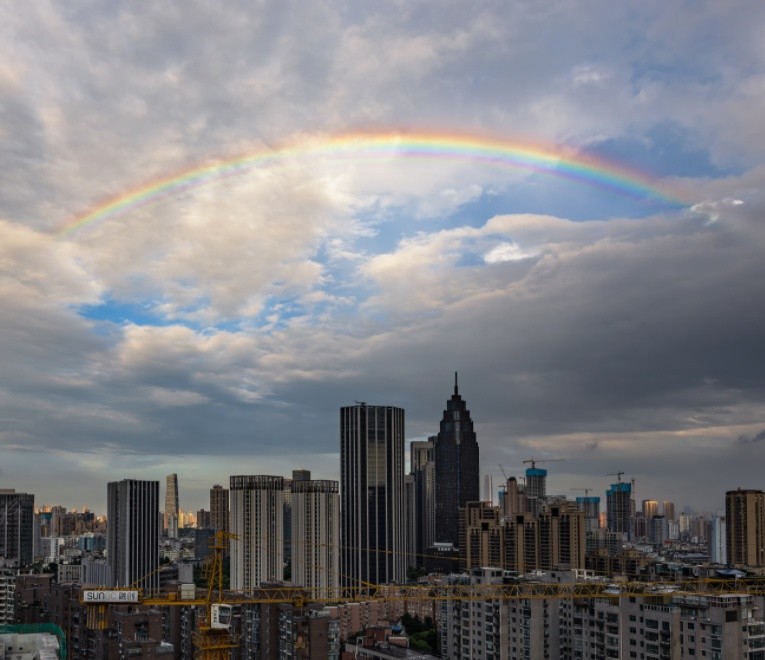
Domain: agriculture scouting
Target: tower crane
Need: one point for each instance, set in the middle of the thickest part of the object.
(586, 491)
(534, 461)
(618, 475)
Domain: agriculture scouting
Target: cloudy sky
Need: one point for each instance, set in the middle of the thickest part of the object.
(602, 299)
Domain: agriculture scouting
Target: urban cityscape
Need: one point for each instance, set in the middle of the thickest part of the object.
(392, 561)
(404, 329)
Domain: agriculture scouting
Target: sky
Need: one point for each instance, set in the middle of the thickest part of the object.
(221, 222)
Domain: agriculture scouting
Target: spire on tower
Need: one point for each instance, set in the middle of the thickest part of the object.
(456, 391)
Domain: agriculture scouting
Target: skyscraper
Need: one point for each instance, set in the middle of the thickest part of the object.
(132, 533)
(650, 509)
(257, 510)
(745, 533)
(514, 501)
(669, 510)
(423, 471)
(619, 508)
(16, 526)
(536, 488)
(316, 537)
(590, 506)
(219, 508)
(372, 532)
(171, 505)
(456, 465)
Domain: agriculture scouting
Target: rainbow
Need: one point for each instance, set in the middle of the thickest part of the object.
(557, 161)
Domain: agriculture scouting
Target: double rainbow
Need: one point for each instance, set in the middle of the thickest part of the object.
(440, 146)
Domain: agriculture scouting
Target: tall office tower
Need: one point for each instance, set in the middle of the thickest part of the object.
(718, 552)
(423, 470)
(745, 518)
(132, 533)
(17, 527)
(669, 510)
(219, 515)
(488, 489)
(618, 508)
(590, 507)
(410, 522)
(456, 459)
(372, 531)
(536, 489)
(171, 505)
(316, 537)
(257, 509)
(650, 509)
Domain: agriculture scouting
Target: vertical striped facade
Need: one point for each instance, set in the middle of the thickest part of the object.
(132, 537)
(372, 529)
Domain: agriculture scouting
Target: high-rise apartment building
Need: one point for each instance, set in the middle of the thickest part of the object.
(745, 519)
(619, 508)
(171, 505)
(669, 511)
(16, 527)
(589, 505)
(132, 533)
(456, 466)
(514, 500)
(316, 537)
(219, 516)
(536, 488)
(650, 509)
(372, 529)
(257, 509)
(423, 471)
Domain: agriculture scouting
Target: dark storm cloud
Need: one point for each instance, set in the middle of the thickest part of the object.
(747, 439)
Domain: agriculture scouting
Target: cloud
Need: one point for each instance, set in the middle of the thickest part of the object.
(746, 439)
(230, 321)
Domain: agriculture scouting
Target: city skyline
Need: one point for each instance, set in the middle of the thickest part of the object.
(218, 225)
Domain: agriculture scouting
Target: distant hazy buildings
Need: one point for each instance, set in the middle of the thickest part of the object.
(132, 538)
(745, 518)
(718, 551)
(171, 505)
(372, 530)
(456, 467)
(316, 537)
(257, 555)
(16, 527)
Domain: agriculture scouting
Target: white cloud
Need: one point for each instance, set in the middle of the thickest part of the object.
(507, 252)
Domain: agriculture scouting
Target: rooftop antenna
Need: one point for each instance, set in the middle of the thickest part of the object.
(456, 391)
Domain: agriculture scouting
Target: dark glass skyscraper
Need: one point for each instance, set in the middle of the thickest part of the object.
(16, 525)
(456, 459)
(372, 527)
(132, 533)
